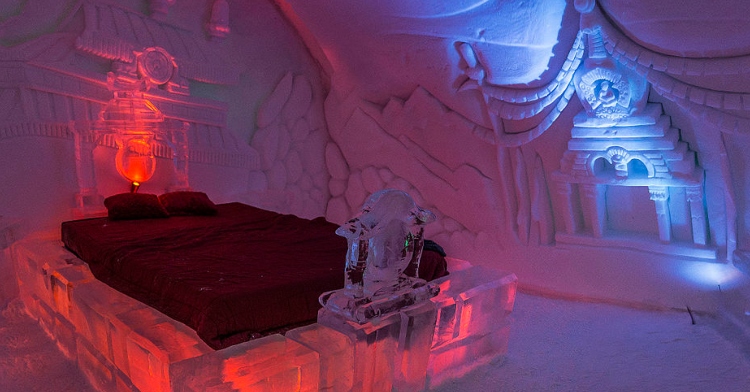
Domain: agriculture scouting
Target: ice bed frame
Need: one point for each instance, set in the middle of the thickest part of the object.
(122, 344)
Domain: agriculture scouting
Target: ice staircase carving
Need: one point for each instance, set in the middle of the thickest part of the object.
(619, 144)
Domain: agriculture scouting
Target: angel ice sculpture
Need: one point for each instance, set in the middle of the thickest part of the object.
(385, 239)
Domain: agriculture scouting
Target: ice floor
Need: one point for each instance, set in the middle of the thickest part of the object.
(558, 345)
(555, 345)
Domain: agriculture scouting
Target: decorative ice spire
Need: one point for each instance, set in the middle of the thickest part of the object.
(218, 26)
(596, 45)
(160, 8)
(607, 90)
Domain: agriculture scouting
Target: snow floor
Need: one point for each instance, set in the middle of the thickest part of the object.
(555, 345)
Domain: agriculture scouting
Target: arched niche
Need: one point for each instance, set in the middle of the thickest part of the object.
(637, 168)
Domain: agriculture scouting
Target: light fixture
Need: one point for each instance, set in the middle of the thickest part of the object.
(135, 122)
(135, 160)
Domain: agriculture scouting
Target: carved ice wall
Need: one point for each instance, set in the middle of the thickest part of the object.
(402, 145)
(56, 83)
(518, 129)
(428, 138)
(716, 115)
(450, 101)
(620, 144)
(291, 139)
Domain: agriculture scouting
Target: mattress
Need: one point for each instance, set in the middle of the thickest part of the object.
(239, 274)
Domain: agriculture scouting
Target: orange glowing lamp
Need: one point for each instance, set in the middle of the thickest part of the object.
(135, 121)
(135, 160)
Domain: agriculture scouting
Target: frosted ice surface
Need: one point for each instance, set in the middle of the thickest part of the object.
(334, 349)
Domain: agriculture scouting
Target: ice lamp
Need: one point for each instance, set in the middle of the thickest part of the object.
(135, 160)
(135, 122)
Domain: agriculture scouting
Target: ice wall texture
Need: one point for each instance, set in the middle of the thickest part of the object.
(291, 137)
(233, 74)
(419, 102)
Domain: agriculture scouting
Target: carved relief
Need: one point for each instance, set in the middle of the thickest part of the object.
(514, 104)
(607, 93)
(618, 144)
(156, 66)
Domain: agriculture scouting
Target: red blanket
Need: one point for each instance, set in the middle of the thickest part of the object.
(243, 272)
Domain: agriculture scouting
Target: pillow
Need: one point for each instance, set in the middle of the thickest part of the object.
(125, 206)
(188, 203)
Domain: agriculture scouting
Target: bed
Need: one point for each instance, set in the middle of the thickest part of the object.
(120, 343)
(240, 274)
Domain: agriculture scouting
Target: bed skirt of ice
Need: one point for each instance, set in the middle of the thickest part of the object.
(122, 344)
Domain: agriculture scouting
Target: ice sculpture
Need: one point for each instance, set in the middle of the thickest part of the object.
(385, 243)
(607, 90)
(627, 177)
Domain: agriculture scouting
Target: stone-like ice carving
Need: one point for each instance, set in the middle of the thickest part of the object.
(608, 91)
(385, 245)
(621, 144)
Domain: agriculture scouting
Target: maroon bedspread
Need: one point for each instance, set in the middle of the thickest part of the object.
(242, 272)
(231, 277)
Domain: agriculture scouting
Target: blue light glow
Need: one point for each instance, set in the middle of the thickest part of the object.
(718, 275)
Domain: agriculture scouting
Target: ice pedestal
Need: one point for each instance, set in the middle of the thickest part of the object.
(390, 352)
(472, 324)
(466, 325)
(363, 309)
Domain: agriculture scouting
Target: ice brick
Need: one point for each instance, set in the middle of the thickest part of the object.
(57, 327)
(154, 342)
(94, 307)
(281, 365)
(117, 334)
(334, 349)
(31, 276)
(445, 325)
(472, 325)
(35, 260)
(472, 302)
(454, 360)
(62, 283)
(484, 306)
(271, 363)
(375, 348)
(415, 340)
(8, 285)
(97, 369)
(65, 335)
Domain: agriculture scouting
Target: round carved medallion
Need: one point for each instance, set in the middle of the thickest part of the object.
(156, 65)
